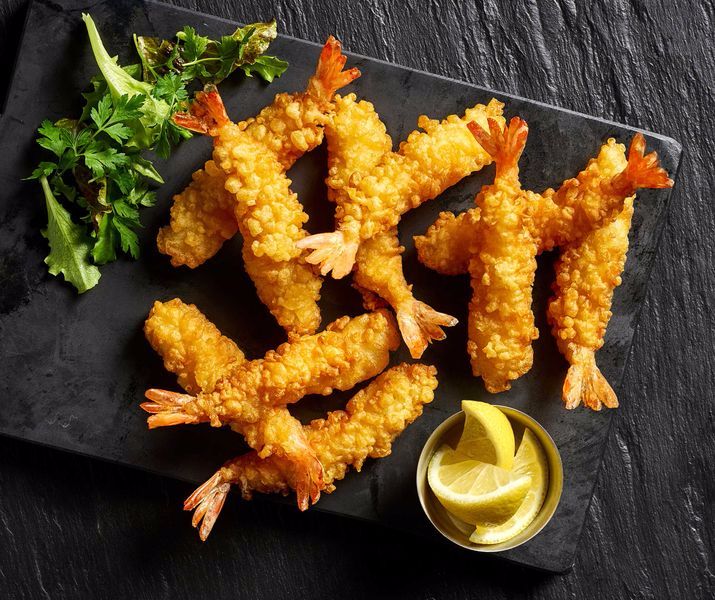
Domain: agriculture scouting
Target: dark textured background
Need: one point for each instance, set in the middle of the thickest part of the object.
(649, 531)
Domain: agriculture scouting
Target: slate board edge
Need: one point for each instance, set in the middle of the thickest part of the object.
(677, 150)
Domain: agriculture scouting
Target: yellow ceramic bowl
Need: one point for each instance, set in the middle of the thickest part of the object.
(456, 530)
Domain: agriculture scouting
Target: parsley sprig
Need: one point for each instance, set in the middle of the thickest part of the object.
(98, 170)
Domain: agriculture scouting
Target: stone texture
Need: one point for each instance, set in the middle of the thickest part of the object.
(629, 62)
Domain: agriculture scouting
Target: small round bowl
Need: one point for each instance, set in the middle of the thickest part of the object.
(456, 530)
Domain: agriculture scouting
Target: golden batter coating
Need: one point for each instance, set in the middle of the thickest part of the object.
(346, 438)
(426, 164)
(191, 346)
(347, 352)
(445, 247)
(357, 141)
(586, 276)
(194, 349)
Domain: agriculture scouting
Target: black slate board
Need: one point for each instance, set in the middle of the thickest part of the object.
(74, 369)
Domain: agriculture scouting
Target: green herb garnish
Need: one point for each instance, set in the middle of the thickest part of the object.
(97, 167)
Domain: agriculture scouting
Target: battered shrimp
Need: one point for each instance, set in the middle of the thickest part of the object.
(250, 160)
(365, 429)
(194, 349)
(357, 141)
(501, 322)
(446, 246)
(586, 275)
(562, 218)
(426, 164)
(347, 352)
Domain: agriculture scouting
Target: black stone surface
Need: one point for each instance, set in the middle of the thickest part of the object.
(650, 469)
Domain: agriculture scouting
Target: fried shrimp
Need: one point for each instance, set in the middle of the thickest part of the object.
(191, 346)
(346, 438)
(249, 162)
(194, 349)
(357, 141)
(445, 247)
(586, 276)
(346, 353)
(501, 322)
(563, 217)
(427, 163)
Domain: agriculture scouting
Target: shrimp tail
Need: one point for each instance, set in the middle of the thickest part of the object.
(420, 324)
(642, 171)
(585, 384)
(308, 482)
(503, 145)
(207, 502)
(167, 408)
(206, 115)
(331, 252)
(329, 75)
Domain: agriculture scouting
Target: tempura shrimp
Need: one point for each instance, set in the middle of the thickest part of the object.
(426, 164)
(586, 276)
(501, 322)
(563, 217)
(194, 349)
(357, 141)
(250, 160)
(346, 438)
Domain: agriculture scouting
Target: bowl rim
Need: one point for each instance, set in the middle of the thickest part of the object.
(553, 494)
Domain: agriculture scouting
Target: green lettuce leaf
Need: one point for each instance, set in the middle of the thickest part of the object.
(70, 246)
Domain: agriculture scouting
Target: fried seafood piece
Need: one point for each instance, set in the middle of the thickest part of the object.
(349, 351)
(357, 141)
(425, 165)
(501, 322)
(586, 276)
(191, 346)
(346, 438)
(202, 216)
(564, 217)
(194, 349)
(253, 157)
(446, 247)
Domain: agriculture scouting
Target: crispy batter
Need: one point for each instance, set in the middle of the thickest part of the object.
(202, 219)
(347, 352)
(586, 276)
(426, 164)
(191, 345)
(194, 349)
(346, 438)
(445, 247)
(357, 141)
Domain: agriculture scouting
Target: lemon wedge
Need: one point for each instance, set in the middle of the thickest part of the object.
(530, 461)
(474, 491)
(487, 435)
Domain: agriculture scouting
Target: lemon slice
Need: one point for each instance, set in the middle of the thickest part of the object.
(474, 491)
(487, 435)
(530, 460)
